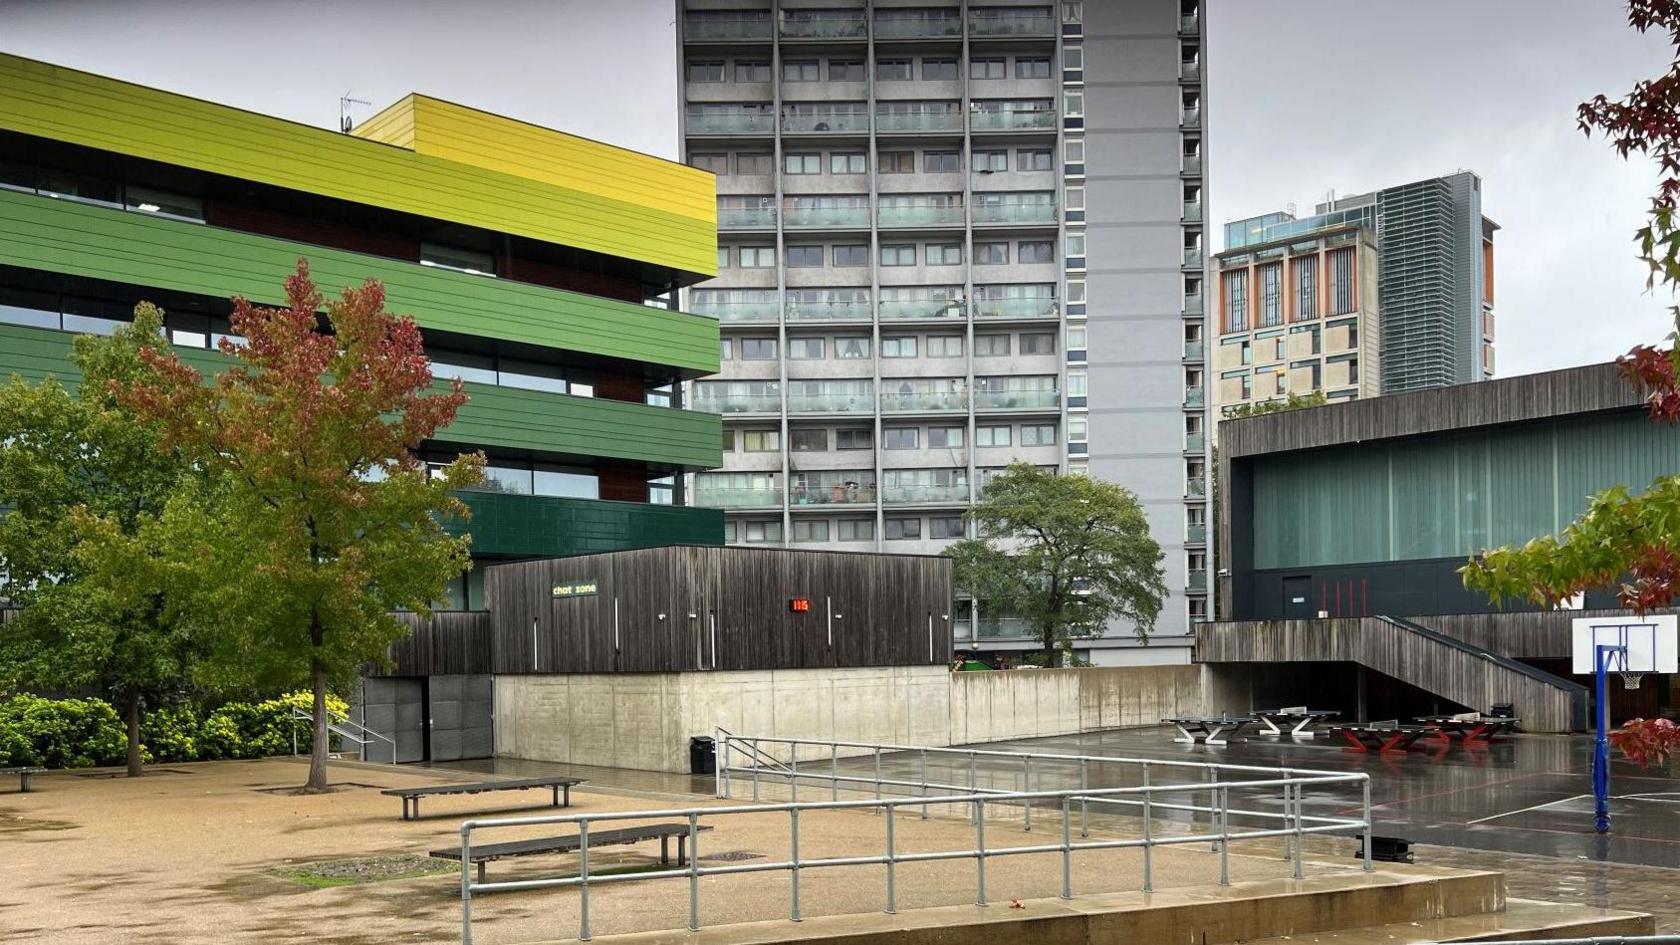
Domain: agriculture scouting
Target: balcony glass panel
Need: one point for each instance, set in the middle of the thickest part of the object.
(826, 211)
(1004, 628)
(900, 396)
(1193, 210)
(1192, 164)
(1190, 71)
(714, 120)
(1015, 301)
(1193, 304)
(1001, 22)
(1196, 580)
(828, 305)
(1194, 443)
(1015, 208)
(816, 117)
(736, 491)
(734, 305)
(1013, 116)
(916, 24)
(1192, 257)
(1016, 399)
(746, 218)
(1189, 23)
(918, 116)
(737, 397)
(727, 24)
(1193, 350)
(1195, 487)
(1192, 117)
(1195, 397)
(1196, 533)
(930, 210)
(831, 397)
(823, 24)
(907, 302)
(911, 486)
(833, 487)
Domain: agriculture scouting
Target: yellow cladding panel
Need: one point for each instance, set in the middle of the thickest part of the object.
(614, 207)
(454, 132)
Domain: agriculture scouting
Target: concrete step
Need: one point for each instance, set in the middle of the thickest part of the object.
(1521, 919)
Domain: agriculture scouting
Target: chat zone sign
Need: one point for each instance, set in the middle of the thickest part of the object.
(577, 589)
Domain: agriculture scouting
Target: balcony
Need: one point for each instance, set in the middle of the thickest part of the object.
(1036, 119)
(1195, 534)
(925, 26)
(1192, 165)
(924, 495)
(738, 403)
(1193, 304)
(1195, 580)
(1004, 628)
(1194, 350)
(834, 488)
(1195, 488)
(1195, 443)
(1015, 308)
(1192, 257)
(724, 123)
(1190, 71)
(825, 121)
(920, 401)
(924, 214)
(746, 218)
(1016, 399)
(1015, 212)
(839, 310)
(1012, 24)
(1191, 117)
(728, 498)
(1189, 24)
(1192, 211)
(828, 217)
(735, 312)
(945, 120)
(909, 309)
(824, 24)
(722, 28)
(1195, 397)
(830, 402)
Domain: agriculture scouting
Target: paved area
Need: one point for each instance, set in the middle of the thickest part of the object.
(186, 857)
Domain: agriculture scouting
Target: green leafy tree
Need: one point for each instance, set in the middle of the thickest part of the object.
(79, 474)
(1066, 553)
(1291, 402)
(321, 519)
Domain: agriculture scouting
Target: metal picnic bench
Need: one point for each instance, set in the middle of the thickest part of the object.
(411, 796)
(1300, 720)
(1210, 728)
(1470, 727)
(23, 774)
(1381, 736)
(480, 855)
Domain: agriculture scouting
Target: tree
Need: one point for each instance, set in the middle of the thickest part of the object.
(1066, 553)
(1261, 408)
(1623, 540)
(321, 519)
(82, 477)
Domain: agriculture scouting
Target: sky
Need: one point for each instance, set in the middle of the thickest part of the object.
(1304, 97)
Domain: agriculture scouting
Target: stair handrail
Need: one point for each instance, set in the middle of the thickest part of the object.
(1516, 665)
(340, 724)
(749, 747)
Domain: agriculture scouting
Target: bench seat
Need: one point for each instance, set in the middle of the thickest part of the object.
(562, 788)
(486, 852)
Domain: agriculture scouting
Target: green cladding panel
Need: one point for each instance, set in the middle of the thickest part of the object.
(1448, 496)
(501, 417)
(543, 526)
(62, 236)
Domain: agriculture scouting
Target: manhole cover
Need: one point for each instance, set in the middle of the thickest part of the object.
(124, 774)
(729, 855)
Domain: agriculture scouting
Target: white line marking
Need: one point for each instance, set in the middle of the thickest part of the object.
(1564, 800)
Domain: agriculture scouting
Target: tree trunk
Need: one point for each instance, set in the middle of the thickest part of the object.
(1049, 638)
(317, 783)
(135, 767)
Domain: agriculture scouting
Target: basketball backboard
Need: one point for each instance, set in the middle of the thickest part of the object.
(1652, 642)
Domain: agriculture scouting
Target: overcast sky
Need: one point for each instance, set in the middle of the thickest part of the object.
(1306, 96)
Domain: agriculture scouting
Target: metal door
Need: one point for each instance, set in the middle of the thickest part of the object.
(460, 711)
(1297, 598)
(395, 708)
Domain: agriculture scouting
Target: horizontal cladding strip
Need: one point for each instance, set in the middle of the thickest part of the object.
(551, 526)
(493, 416)
(66, 237)
(62, 104)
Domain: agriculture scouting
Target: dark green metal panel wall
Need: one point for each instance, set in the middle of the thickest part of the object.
(541, 526)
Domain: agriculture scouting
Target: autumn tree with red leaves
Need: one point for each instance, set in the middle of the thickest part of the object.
(1623, 540)
(321, 519)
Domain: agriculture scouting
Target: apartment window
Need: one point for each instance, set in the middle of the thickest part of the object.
(457, 258)
(1075, 197)
(758, 257)
(810, 529)
(1079, 430)
(1246, 387)
(855, 529)
(991, 436)
(896, 162)
(903, 529)
(991, 346)
(806, 349)
(761, 441)
(985, 162)
(853, 439)
(1077, 384)
(1341, 280)
(758, 349)
(902, 347)
(894, 70)
(1353, 371)
(1033, 159)
(804, 257)
(1306, 287)
(991, 254)
(944, 254)
(941, 162)
(1073, 57)
(1038, 342)
(1352, 336)
(1076, 291)
(723, 257)
(945, 437)
(761, 532)
(939, 70)
(726, 350)
(1075, 245)
(1073, 150)
(945, 526)
(848, 162)
(1032, 67)
(728, 440)
(989, 67)
(845, 70)
(1271, 294)
(708, 71)
(901, 438)
(851, 348)
(898, 254)
(808, 441)
(801, 70)
(1236, 299)
(1038, 434)
(802, 163)
(850, 255)
(1247, 351)
(1280, 348)
(752, 70)
(1076, 337)
(1036, 251)
(716, 162)
(1073, 11)
(945, 346)
(755, 163)
(1073, 104)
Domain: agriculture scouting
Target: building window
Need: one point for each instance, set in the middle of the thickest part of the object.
(808, 441)
(758, 349)
(751, 163)
(991, 346)
(944, 254)
(902, 347)
(761, 532)
(1032, 67)
(754, 70)
(848, 162)
(941, 162)
(1076, 291)
(1035, 251)
(1077, 384)
(761, 441)
(945, 346)
(991, 436)
(991, 254)
(726, 349)
(1073, 150)
(1073, 104)
(939, 70)
(850, 255)
(815, 529)
(1353, 371)
(851, 348)
(1341, 280)
(903, 529)
(845, 70)
(458, 259)
(717, 163)
(894, 70)
(945, 526)
(758, 257)
(898, 254)
(990, 67)
(1280, 348)
(723, 257)
(1038, 434)
(855, 529)
(806, 349)
(1306, 287)
(1073, 57)
(945, 437)
(1245, 387)
(1075, 246)
(1247, 351)
(1075, 197)
(1033, 159)
(853, 439)
(802, 163)
(1271, 294)
(709, 71)
(901, 438)
(1037, 342)
(801, 70)
(1076, 337)
(896, 162)
(804, 257)
(1236, 299)
(1079, 430)
(986, 162)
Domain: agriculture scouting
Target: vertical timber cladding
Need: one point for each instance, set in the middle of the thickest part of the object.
(683, 608)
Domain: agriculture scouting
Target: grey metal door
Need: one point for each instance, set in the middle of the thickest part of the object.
(460, 711)
(395, 708)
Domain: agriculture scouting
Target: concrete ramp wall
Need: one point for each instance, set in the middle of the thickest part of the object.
(1030, 703)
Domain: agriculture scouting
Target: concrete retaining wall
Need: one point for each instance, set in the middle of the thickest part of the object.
(1029, 703)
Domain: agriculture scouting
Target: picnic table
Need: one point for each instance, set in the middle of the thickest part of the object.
(1470, 727)
(1300, 720)
(23, 773)
(1381, 736)
(1209, 728)
(411, 796)
(484, 853)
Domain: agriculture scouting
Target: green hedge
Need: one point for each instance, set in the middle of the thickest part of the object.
(81, 733)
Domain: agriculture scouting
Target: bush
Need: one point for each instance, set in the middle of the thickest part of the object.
(170, 733)
(60, 733)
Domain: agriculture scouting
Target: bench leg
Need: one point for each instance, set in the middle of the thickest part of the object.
(556, 793)
(567, 789)
(664, 851)
(682, 845)
(415, 806)
(23, 782)
(481, 870)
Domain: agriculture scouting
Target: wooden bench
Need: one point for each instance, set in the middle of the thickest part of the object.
(480, 855)
(411, 796)
(23, 776)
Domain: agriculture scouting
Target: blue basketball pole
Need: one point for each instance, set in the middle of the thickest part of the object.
(1601, 740)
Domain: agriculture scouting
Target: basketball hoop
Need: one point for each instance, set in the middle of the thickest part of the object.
(1631, 680)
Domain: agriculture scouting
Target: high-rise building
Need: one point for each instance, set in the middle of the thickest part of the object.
(953, 235)
(1382, 292)
(524, 254)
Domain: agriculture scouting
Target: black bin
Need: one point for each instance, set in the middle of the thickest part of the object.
(702, 755)
(1503, 710)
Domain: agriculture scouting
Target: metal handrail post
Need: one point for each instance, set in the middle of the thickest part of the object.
(721, 782)
(793, 776)
(1224, 836)
(1298, 854)
(1067, 851)
(980, 850)
(583, 880)
(1288, 791)
(755, 757)
(973, 782)
(1084, 805)
(877, 774)
(466, 883)
(793, 870)
(834, 771)
(923, 766)
(1148, 841)
(1368, 865)
(1026, 785)
(892, 863)
(694, 872)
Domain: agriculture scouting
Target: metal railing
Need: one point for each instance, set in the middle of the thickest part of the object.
(1150, 800)
(339, 724)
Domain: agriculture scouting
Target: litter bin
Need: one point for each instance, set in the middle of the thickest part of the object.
(1503, 710)
(702, 755)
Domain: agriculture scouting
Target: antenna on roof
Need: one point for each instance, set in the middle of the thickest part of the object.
(344, 103)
